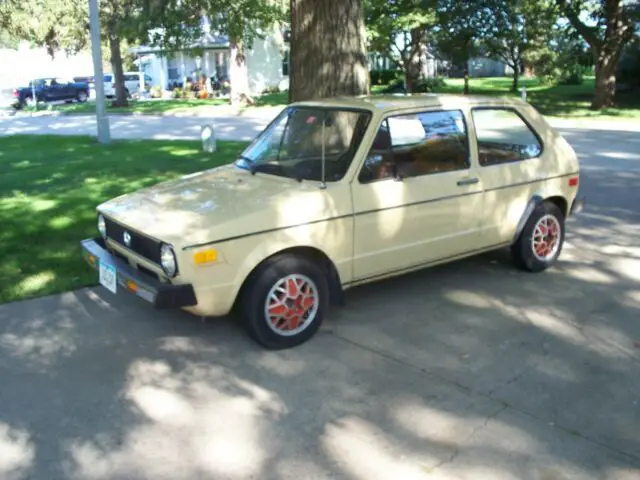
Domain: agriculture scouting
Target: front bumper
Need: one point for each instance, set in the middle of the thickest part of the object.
(138, 282)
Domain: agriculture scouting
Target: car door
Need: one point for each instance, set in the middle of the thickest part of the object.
(67, 89)
(509, 166)
(51, 92)
(418, 198)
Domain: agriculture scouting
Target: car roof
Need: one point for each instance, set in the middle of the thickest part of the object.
(391, 103)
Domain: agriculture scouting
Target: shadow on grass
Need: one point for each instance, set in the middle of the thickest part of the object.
(50, 187)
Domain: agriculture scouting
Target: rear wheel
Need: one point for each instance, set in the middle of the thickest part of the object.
(81, 97)
(541, 240)
(29, 102)
(284, 302)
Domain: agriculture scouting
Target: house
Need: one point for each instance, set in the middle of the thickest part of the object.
(267, 61)
(433, 66)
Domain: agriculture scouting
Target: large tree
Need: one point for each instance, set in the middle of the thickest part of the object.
(400, 29)
(606, 25)
(328, 51)
(460, 26)
(516, 29)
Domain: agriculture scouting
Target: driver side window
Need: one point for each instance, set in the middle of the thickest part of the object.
(418, 144)
(379, 162)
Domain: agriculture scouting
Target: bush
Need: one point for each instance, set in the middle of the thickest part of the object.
(270, 90)
(156, 92)
(177, 93)
(429, 85)
(383, 77)
(574, 77)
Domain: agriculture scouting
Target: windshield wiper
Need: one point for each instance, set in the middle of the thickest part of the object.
(273, 169)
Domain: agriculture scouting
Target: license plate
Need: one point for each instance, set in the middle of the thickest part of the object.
(108, 277)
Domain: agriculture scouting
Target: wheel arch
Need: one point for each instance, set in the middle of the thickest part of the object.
(312, 253)
(554, 197)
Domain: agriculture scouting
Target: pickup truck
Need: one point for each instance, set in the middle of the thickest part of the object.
(50, 90)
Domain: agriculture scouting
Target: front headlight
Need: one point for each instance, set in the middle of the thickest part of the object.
(102, 226)
(168, 260)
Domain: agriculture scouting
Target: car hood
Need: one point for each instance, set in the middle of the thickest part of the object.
(216, 204)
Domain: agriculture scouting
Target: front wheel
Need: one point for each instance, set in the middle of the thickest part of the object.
(284, 301)
(541, 240)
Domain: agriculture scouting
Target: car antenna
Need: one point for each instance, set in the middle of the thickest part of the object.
(323, 183)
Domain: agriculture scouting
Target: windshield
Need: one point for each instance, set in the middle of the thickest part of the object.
(296, 141)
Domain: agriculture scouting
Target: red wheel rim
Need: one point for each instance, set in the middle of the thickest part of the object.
(546, 238)
(291, 305)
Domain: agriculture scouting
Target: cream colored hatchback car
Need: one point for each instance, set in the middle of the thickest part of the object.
(337, 193)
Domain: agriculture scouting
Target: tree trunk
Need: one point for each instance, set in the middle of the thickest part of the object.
(466, 78)
(116, 65)
(417, 62)
(238, 74)
(606, 63)
(516, 78)
(328, 54)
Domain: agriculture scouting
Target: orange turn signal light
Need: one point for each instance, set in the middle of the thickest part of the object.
(132, 286)
(209, 255)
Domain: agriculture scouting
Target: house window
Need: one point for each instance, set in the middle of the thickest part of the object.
(285, 63)
(172, 69)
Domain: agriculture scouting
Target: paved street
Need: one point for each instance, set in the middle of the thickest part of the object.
(229, 127)
(472, 370)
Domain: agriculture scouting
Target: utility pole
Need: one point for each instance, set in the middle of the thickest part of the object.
(102, 120)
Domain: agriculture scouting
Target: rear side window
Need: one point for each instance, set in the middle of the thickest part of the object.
(503, 137)
(418, 144)
(107, 78)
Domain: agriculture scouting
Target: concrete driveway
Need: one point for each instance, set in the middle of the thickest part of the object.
(472, 370)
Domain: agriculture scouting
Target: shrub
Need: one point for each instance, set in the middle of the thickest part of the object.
(156, 92)
(383, 77)
(574, 77)
(177, 93)
(429, 85)
(270, 90)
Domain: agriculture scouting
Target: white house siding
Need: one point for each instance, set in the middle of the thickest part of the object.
(264, 65)
(487, 67)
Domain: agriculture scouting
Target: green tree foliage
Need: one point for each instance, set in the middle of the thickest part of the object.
(517, 30)
(460, 27)
(607, 26)
(400, 29)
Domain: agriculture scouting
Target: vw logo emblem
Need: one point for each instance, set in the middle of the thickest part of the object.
(127, 239)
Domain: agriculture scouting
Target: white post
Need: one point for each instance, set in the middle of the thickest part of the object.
(523, 94)
(101, 115)
(208, 137)
(34, 97)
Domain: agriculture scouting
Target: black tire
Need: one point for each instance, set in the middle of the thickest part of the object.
(82, 97)
(522, 250)
(254, 296)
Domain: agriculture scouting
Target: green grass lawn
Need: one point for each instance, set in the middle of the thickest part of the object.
(570, 101)
(150, 107)
(49, 189)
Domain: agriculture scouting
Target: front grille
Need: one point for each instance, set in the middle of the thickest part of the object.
(143, 246)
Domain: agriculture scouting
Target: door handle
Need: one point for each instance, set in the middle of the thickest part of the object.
(468, 181)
